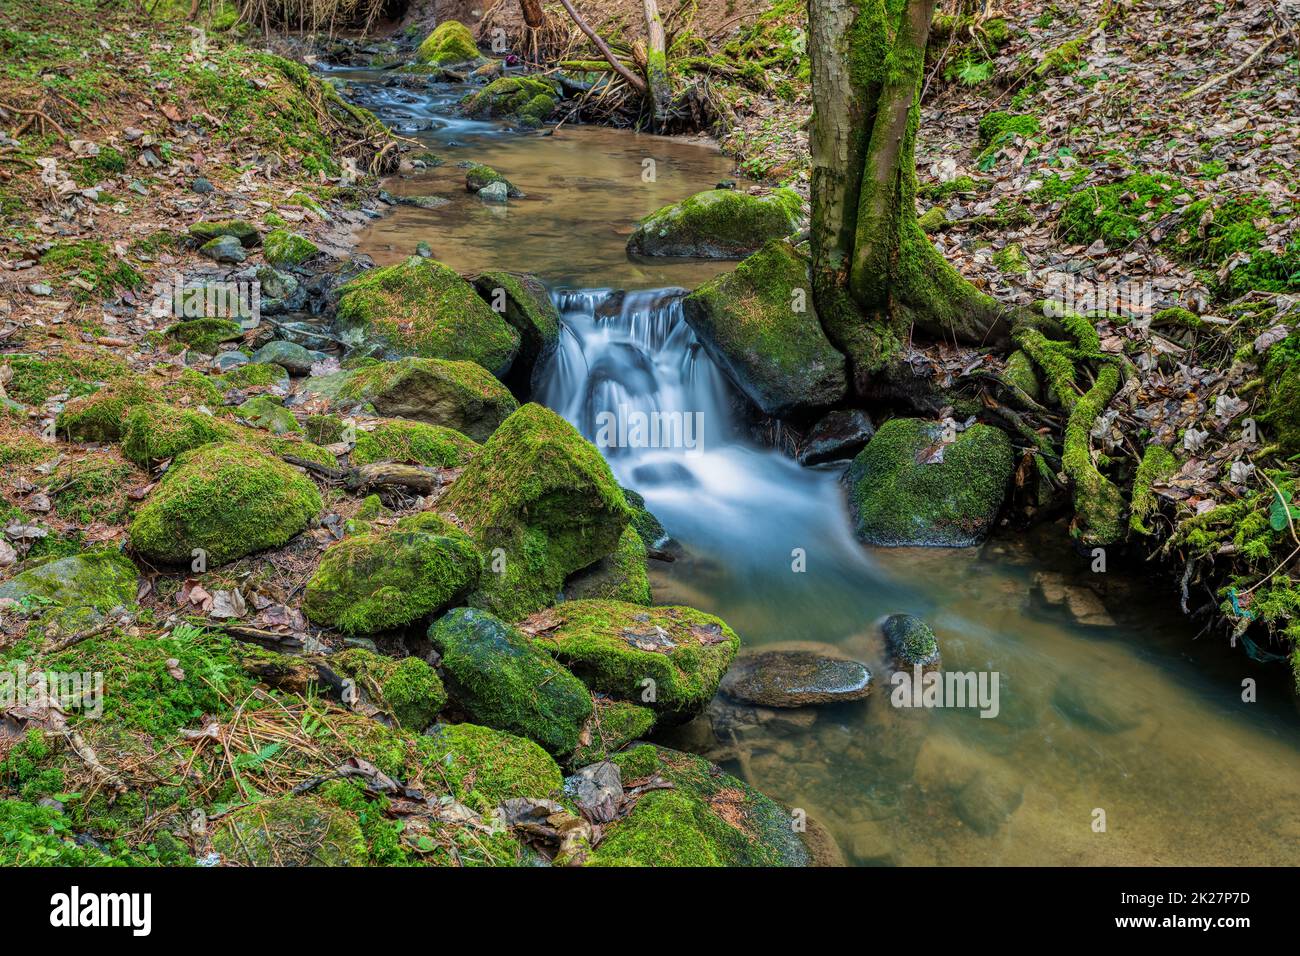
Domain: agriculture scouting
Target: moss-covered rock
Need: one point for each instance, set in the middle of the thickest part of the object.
(910, 642)
(483, 767)
(614, 725)
(409, 688)
(208, 230)
(414, 443)
(1020, 373)
(268, 412)
(204, 335)
(81, 587)
(450, 43)
(501, 680)
(289, 831)
(717, 224)
(373, 582)
(541, 503)
(620, 576)
(526, 304)
(1281, 410)
(284, 248)
(156, 431)
(910, 487)
(99, 417)
(459, 395)
(420, 307)
(525, 99)
(478, 177)
(253, 375)
(670, 659)
(649, 527)
(228, 500)
(707, 818)
(759, 325)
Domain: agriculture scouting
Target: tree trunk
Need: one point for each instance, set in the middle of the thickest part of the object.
(656, 70)
(534, 15)
(876, 276)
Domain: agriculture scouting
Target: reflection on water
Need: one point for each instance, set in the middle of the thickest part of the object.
(585, 187)
(1107, 707)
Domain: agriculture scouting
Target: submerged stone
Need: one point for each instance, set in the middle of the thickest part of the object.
(840, 434)
(910, 642)
(795, 679)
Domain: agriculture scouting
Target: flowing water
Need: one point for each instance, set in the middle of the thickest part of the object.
(1107, 702)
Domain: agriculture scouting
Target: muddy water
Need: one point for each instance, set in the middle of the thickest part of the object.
(1119, 737)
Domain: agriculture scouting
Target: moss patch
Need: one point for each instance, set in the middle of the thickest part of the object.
(717, 223)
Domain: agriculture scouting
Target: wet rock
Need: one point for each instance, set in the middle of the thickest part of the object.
(839, 435)
(871, 844)
(494, 192)
(526, 304)
(620, 576)
(407, 689)
(910, 642)
(944, 766)
(226, 249)
(525, 100)
(598, 791)
(717, 224)
(292, 357)
(502, 681)
(226, 361)
(265, 411)
(246, 233)
(1087, 607)
(795, 679)
(778, 356)
(1088, 707)
(478, 177)
(911, 486)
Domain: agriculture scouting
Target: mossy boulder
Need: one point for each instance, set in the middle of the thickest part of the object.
(525, 99)
(284, 248)
(541, 503)
(717, 224)
(157, 431)
(265, 411)
(99, 417)
(414, 443)
(252, 375)
(911, 486)
(383, 579)
(226, 499)
(649, 527)
(479, 177)
(450, 43)
(526, 304)
(670, 659)
(483, 767)
(620, 576)
(81, 587)
(204, 335)
(707, 818)
(758, 323)
(910, 642)
(422, 308)
(290, 831)
(613, 725)
(409, 688)
(208, 230)
(459, 395)
(501, 680)
(293, 358)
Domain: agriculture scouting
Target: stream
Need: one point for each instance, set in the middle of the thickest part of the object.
(1119, 737)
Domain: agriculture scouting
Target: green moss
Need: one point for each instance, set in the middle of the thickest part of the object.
(1020, 373)
(37, 378)
(939, 192)
(283, 248)
(721, 223)
(290, 831)
(621, 576)
(1098, 503)
(541, 503)
(1281, 407)
(1062, 59)
(155, 432)
(91, 262)
(500, 680)
(999, 129)
(479, 176)
(253, 375)
(614, 725)
(268, 412)
(372, 582)
(409, 688)
(459, 395)
(900, 494)
(1011, 259)
(525, 303)
(708, 818)
(669, 659)
(228, 500)
(108, 162)
(18, 448)
(204, 335)
(526, 99)
(1120, 213)
(72, 592)
(451, 42)
(482, 767)
(1157, 464)
(413, 443)
(643, 521)
(39, 836)
(92, 489)
(420, 307)
(245, 232)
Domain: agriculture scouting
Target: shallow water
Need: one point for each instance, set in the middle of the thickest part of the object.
(1125, 714)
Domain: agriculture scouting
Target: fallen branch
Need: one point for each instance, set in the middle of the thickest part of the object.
(1224, 77)
(633, 80)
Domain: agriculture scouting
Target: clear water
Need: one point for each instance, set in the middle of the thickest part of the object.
(1136, 718)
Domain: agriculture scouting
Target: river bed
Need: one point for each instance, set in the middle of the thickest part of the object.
(1120, 737)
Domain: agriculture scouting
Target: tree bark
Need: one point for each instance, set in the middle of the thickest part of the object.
(876, 277)
(656, 70)
(534, 15)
